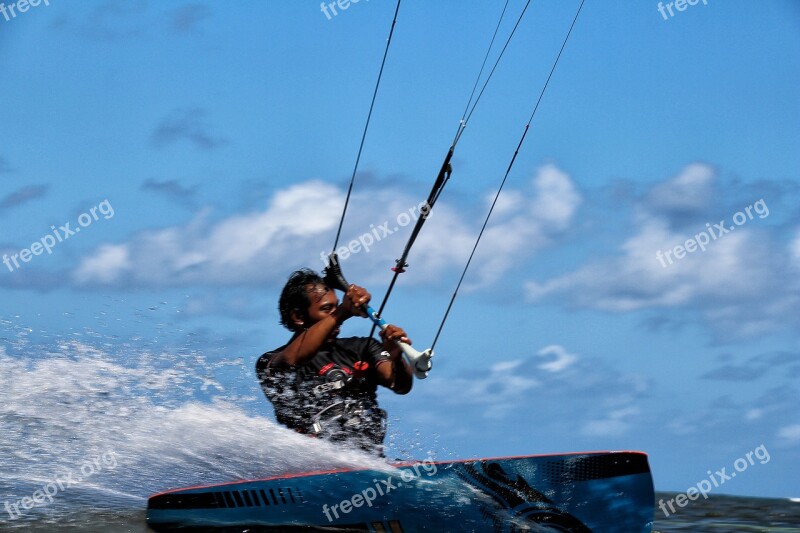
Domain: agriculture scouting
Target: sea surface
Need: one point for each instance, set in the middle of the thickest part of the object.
(93, 425)
(719, 514)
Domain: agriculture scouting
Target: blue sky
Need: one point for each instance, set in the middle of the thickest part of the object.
(223, 136)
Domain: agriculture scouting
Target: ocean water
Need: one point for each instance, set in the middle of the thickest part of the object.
(90, 426)
(721, 514)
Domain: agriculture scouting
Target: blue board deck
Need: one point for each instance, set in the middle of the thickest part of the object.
(581, 492)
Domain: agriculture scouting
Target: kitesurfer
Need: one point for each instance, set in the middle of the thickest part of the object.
(324, 386)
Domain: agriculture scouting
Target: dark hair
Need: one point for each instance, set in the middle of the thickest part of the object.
(294, 295)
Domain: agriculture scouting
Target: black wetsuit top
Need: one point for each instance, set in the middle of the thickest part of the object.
(312, 398)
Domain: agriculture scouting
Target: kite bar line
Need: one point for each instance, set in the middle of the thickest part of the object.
(420, 361)
(366, 127)
(505, 177)
(446, 170)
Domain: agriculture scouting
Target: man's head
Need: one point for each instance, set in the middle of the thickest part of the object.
(305, 300)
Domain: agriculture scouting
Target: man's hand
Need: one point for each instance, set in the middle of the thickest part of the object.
(396, 375)
(390, 336)
(353, 303)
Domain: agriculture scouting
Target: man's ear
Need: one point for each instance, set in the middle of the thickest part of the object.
(297, 318)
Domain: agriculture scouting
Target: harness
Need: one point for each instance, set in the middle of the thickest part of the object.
(349, 415)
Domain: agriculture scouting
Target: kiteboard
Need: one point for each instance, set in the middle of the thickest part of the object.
(579, 492)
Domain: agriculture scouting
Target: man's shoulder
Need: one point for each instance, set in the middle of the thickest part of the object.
(362, 348)
(357, 342)
(267, 357)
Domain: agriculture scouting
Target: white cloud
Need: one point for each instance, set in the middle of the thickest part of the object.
(737, 283)
(508, 202)
(682, 427)
(556, 197)
(528, 389)
(691, 190)
(615, 424)
(105, 266)
(754, 414)
(561, 359)
(241, 248)
(503, 383)
(299, 224)
(506, 365)
(605, 428)
(790, 434)
(523, 226)
(794, 249)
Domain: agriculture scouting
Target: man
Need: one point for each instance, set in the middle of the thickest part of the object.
(324, 386)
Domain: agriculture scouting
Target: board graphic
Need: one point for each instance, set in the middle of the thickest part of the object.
(582, 492)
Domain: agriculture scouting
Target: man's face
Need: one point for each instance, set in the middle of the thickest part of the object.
(323, 303)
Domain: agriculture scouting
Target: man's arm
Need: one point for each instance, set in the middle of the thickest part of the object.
(395, 373)
(304, 346)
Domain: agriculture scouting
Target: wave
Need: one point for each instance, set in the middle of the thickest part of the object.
(88, 428)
